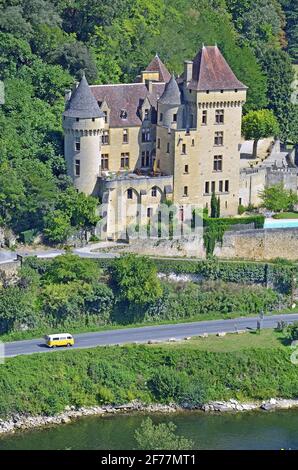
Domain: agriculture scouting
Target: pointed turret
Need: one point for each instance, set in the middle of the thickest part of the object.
(82, 103)
(171, 95)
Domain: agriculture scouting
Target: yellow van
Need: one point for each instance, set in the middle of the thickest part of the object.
(60, 339)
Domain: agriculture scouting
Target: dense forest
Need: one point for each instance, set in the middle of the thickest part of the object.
(45, 45)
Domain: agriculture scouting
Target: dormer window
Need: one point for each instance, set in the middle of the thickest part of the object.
(146, 114)
(105, 113)
(174, 117)
(123, 114)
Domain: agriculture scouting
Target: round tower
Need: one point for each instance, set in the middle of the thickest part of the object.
(83, 122)
(170, 110)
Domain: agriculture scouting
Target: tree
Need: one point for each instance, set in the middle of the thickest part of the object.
(79, 207)
(213, 206)
(62, 301)
(57, 226)
(160, 437)
(135, 277)
(218, 206)
(16, 309)
(277, 198)
(69, 267)
(258, 124)
(280, 76)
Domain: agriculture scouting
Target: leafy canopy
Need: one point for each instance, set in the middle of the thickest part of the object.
(135, 277)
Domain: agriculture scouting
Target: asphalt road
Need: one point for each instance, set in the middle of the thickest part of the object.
(144, 334)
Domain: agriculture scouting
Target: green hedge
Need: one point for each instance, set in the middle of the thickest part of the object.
(257, 220)
(278, 275)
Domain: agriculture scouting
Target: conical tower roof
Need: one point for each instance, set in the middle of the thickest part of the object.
(212, 72)
(171, 94)
(82, 103)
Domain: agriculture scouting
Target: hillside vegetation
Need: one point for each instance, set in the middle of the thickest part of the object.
(72, 293)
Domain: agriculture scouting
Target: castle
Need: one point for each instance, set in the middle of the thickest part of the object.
(160, 139)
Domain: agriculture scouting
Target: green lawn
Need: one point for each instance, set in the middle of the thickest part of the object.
(232, 342)
(286, 215)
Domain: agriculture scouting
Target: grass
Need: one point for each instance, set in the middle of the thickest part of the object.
(286, 215)
(246, 367)
(232, 342)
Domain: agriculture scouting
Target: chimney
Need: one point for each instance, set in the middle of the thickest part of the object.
(75, 86)
(148, 83)
(67, 95)
(188, 70)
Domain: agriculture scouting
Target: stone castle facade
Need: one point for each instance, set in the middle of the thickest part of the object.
(160, 139)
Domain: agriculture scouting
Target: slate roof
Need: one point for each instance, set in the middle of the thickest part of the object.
(129, 98)
(171, 95)
(82, 103)
(156, 65)
(212, 72)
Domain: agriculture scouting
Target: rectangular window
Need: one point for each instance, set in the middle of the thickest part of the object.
(168, 147)
(105, 138)
(104, 161)
(158, 143)
(174, 117)
(185, 191)
(204, 117)
(149, 211)
(183, 149)
(129, 194)
(160, 116)
(217, 163)
(146, 114)
(146, 135)
(207, 187)
(77, 168)
(213, 186)
(219, 116)
(124, 163)
(227, 186)
(220, 187)
(193, 142)
(218, 138)
(185, 168)
(125, 136)
(146, 158)
(78, 144)
(105, 116)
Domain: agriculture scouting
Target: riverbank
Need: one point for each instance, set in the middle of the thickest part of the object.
(22, 422)
(230, 373)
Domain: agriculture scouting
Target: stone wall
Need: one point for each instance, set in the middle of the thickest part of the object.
(246, 244)
(260, 244)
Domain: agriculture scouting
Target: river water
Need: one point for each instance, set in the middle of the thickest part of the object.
(251, 430)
